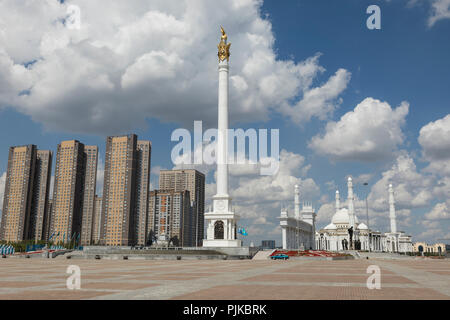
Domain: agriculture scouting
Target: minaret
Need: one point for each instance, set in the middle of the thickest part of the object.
(338, 201)
(221, 222)
(392, 209)
(297, 202)
(351, 208)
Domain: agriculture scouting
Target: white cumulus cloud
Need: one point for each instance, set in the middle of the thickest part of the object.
(133, 60)
(440, 11)
(371, 132)
(440, 211)
(434, 139)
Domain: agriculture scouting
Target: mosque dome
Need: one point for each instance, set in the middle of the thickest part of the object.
(331, 226)
(362, 226)
(341, 217)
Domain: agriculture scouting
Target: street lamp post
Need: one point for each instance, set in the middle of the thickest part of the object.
(367, 216)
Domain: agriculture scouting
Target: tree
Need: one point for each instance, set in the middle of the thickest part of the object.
(174, 241)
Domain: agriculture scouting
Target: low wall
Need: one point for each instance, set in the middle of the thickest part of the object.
(186, 253)
(150, 257)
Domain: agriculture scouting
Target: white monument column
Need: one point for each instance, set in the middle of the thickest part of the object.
(222, 139)
(222, 231)
(351, 208)
(392, 209)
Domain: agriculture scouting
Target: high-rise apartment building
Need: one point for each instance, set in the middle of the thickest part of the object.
(96, 227)
(90, 180)
(15, 225)
(194, 181)
(144, 151)
(171, 216)
(118, 227)
(67, 205)
(40, 214)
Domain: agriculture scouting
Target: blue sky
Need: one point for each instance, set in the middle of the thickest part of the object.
(99, 80)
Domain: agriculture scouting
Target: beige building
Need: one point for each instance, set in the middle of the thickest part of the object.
(67, 199)
(90, 181)
(171, 216)
(118, 208)
(193, 181)
(144, 151)
(15, 225)
(438, 248)
(40, 214)
(96, 228)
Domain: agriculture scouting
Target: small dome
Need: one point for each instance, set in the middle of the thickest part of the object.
(362, 226)
(331, 226)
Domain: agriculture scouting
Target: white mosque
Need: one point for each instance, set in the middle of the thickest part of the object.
(345, 232)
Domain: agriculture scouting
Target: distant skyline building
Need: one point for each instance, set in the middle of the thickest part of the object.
(144, 152)
(118, 226)
(193, 181)
(66, 216)
(15, 225)
(268, 244)
(90, 182)
(40, 214)
(170, 215)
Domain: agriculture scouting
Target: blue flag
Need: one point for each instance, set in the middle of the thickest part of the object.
(242, 231)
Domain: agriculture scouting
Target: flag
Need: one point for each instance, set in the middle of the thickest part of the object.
(242, 231)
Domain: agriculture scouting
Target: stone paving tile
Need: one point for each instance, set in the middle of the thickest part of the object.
(261, 292)
(444, 272)
(22, 284)
(116, 285)
(326, 278)
(148, 279)
(53, 295)
(304, 269)
(168, 277)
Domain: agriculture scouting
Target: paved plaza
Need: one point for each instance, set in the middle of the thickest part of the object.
(224, 280)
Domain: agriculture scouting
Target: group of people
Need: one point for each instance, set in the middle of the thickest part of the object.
(354, 245)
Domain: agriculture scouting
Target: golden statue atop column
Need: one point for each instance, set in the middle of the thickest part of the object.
(224, 48)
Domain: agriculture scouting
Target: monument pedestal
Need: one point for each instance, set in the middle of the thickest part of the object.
(221, 225)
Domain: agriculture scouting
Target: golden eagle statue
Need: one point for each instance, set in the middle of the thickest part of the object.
(224, 47)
